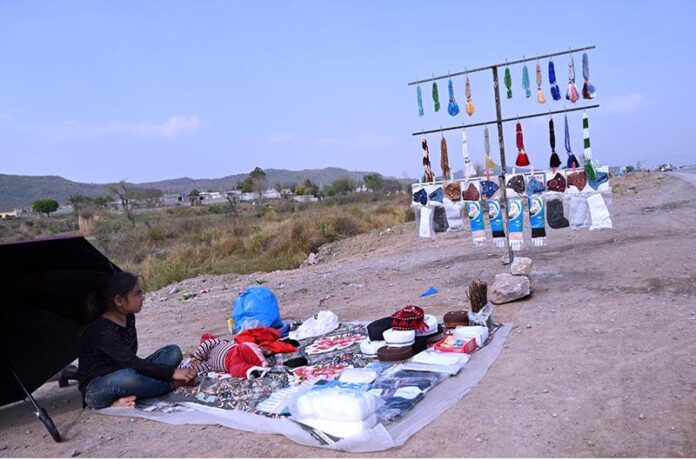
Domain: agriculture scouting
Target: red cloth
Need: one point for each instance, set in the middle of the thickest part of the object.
(240, 358)
(266, 338)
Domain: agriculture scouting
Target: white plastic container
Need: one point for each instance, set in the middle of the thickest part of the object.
(480, 333)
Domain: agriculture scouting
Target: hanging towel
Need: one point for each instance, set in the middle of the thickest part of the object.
(420, 101)
(470, 109)
(452, 107)
(540, 94)
(444, 159)
(508, 82)
(427, 169)
(469, 169)
(522, 158)
(572, 161)
(516, 223)
(525, 81)
(495, 216)
(555, 90)
(588, 89)
(490, 164)
(476, 222)
(436, 97)
(572, 93)
(587, 152)
(537, 220)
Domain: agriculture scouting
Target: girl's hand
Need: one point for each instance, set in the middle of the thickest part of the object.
(184, 374)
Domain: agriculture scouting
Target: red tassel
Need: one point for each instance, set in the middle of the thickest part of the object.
(522, 158)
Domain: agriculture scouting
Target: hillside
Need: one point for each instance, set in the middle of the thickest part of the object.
(21, 191)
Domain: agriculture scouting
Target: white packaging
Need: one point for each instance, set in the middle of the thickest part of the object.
(480, 333)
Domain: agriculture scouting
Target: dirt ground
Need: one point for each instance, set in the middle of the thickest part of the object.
(602, 361)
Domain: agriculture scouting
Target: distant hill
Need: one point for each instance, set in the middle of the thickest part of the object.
(21, 191)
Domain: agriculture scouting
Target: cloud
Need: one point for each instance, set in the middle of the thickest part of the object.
(365, 141)
(174, 126)
(279, 139)
(627, 103)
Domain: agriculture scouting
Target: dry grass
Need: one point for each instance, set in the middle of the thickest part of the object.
(174, 244)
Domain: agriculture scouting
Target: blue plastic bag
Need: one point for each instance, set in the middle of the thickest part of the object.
(256, 307)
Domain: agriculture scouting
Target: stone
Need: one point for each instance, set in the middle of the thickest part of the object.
(505, 259)
(75, 453)
(521, 266)
(508, 288)
(173, 290)
(312, 259)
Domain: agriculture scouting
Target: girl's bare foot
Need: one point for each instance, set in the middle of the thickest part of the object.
(126, 401)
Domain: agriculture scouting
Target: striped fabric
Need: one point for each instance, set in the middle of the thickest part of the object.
(586, 136)
(211, 355)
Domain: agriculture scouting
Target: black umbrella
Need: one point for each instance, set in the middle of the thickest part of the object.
(43, 287)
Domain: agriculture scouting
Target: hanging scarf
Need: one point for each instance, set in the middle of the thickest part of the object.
(587, 152)
(495, 216)
(540, 94)
(436, 97)
(572, 93)
(572, 161)
(427, 169)
(453, 107)
(508, 82)
(444, 159)
(516, 223)
(477, 223)
(522, 158)
(525, 81)
(588, 89)
(490, 164)
(470, 109)
(536, 219)
(555, 90)
(420, 101)
(555, 161)
(469, 169)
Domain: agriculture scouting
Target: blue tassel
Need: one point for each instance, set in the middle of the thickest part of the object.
(525, 81)
(572, 161)
(555, 90)
(420, 101)
(453, 107)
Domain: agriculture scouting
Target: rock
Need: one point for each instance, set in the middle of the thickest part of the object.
(505, 259)
(173, 290)
(521, 266)
(75, 453)
(642, 416)
(508, 288)
(311, 260)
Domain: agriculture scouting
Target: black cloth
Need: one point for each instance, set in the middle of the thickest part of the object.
(554, 214)
(107, 347)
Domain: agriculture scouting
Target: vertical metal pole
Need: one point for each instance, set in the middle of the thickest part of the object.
(503, 166)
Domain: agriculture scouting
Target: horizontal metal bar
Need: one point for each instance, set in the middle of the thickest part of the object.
(479, 69)
(505, 120)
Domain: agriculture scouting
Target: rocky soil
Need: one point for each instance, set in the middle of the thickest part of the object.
(602, 361)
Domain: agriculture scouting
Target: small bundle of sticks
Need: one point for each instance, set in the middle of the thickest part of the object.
(477, 295)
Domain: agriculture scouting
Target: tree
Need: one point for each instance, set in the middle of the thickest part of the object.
(258, 180)
(124, 193)
(103, 201)
(374, 182)
(310, 188)
(45, 206)
(194, 192)
(247, 185)
(150, 197)
(344, 185)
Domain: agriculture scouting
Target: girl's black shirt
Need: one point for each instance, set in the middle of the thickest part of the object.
(107, 347)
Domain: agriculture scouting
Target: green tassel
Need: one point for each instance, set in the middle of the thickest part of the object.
(508, 82)
(436, 97)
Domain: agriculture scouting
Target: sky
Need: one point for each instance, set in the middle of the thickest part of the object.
(98, 91)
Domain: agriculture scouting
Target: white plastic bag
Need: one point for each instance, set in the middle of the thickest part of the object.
(324, 322)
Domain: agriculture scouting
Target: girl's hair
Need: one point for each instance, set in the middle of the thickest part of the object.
(102, 300)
